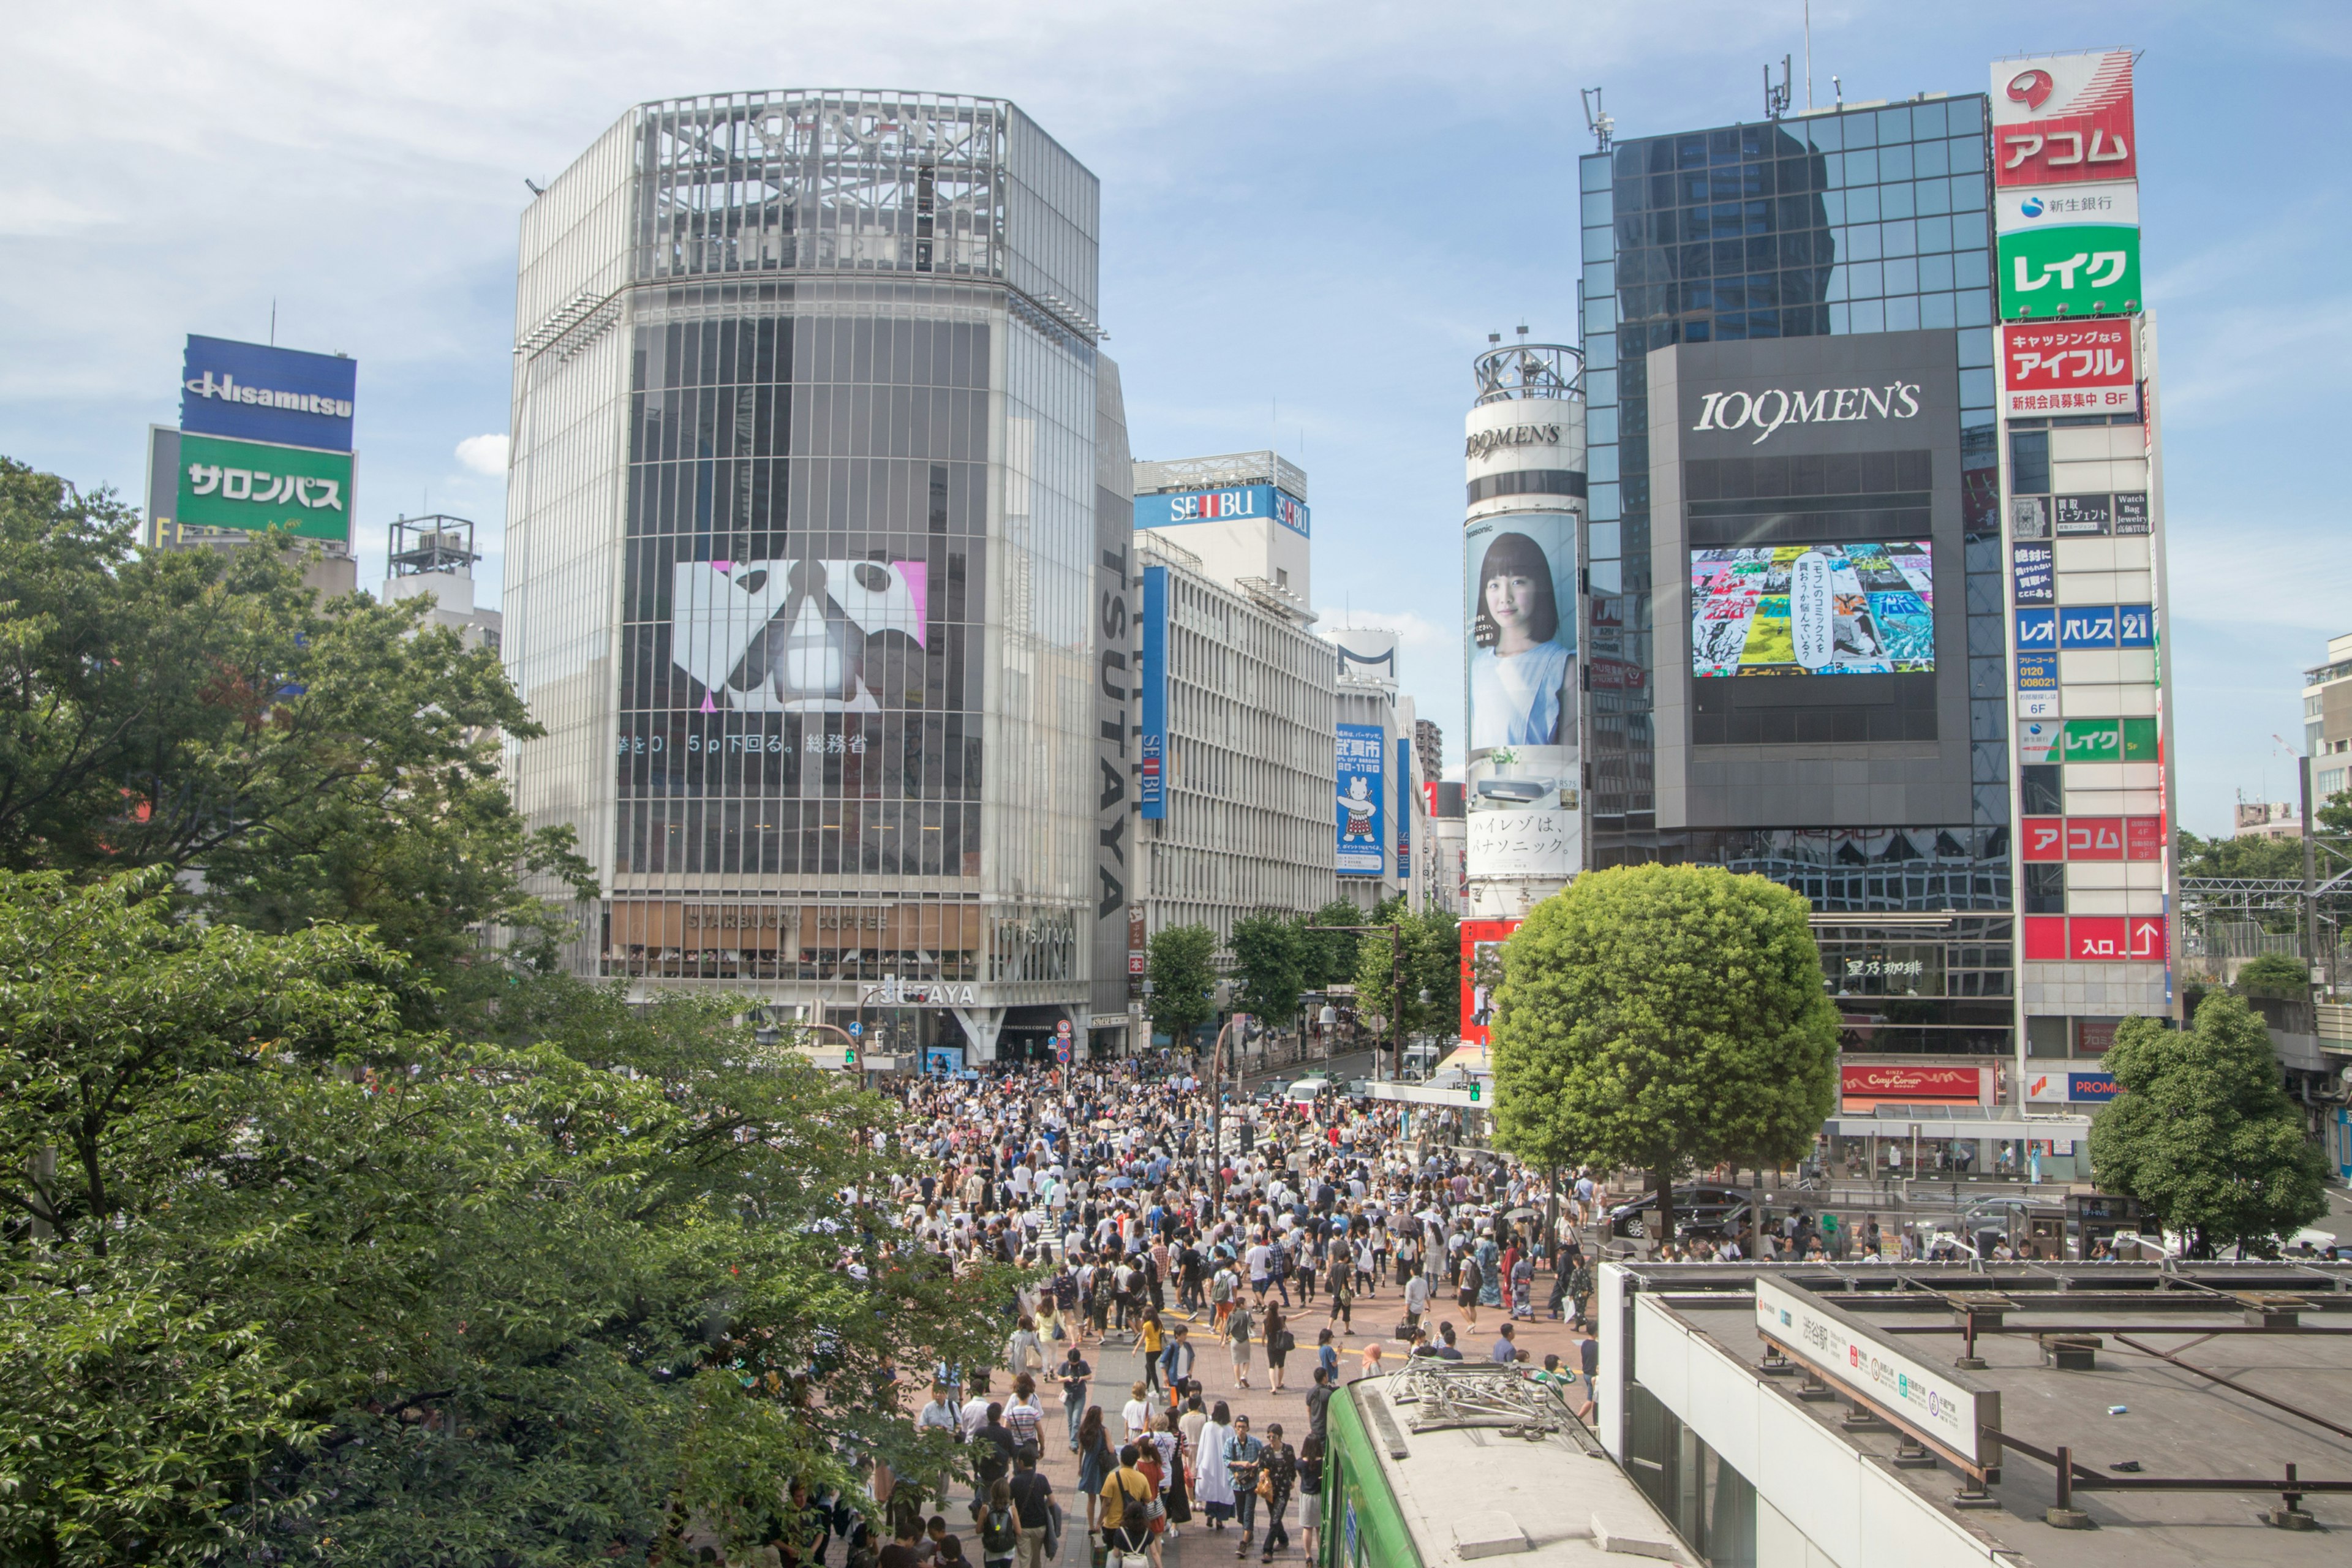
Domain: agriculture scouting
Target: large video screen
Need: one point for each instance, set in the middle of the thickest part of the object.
(1814, 609)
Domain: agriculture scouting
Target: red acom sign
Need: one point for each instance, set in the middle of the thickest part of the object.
(2064, 120)
(2068, 367)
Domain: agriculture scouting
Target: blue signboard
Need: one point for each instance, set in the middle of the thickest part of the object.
(2087, 627)
(2134, 625)
(2092, 1087)
(1404, 810)
(1231, 503)
(256, 392)
(2037, 630)
(1151, 789)
(1362, 781)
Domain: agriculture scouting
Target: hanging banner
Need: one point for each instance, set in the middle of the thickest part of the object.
(1362, 781)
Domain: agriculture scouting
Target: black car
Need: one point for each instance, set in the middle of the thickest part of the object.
(1700, 1209)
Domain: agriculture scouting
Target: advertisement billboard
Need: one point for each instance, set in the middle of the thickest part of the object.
(1362, 784)
(2068, 368)
(1151, 776)
(1813, 609)
(1230, 503)
(2071, 252)
(1519, 576)
(251, 486)
(1482, 969)
(2063, 119)
(256, 392)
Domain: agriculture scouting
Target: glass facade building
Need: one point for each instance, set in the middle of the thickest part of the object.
(1841, 223)
(802, 527)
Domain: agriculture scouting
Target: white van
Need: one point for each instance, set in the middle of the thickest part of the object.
(1306, 1089)
(1420, 1061)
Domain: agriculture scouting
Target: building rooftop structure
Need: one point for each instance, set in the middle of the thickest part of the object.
(2203, 1411)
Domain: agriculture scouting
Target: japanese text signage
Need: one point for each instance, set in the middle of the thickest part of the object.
(2061, 119)
(1864, 1081)
(1151, 776)
(2087, 741)
(249, 486)
(2068, 254)
(1939, 1407)
(256, 392)
(2037, 574)
(1362, 783)
(2094, 938)
(2068, 368)
(2048, 838)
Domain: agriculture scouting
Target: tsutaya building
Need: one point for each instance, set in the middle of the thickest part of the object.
(818, 565)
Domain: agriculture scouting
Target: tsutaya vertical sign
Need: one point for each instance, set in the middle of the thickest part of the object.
(2066, 187)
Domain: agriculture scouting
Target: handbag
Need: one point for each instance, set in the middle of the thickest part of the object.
(1264, 1487)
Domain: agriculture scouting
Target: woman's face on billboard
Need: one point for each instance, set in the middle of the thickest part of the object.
(1511, 602)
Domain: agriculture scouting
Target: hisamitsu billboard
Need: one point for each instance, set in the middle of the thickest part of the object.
(253, 391)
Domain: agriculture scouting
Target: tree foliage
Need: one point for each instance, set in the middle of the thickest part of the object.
(2275, 975)
(317, 762)
(284, 1281)
(1331, 955)
(1183, 980)
(1271, 951)
(1427, 955)
(2203, 1134)
(1664, 1017)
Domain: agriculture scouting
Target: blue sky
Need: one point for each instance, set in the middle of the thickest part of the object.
(1313, 216)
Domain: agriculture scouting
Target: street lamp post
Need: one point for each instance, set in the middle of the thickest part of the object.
(1396, 978)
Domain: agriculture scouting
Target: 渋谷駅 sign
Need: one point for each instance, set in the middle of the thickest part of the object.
(1943, 1409)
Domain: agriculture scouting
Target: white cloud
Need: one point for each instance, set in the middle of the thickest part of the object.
(484, 454)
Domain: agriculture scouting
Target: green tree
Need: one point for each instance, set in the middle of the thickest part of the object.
(1270, 958)
(1664, 1017)
(1331, 955)
(2227, 855)
(1183, 980)
(2275, 975)
(2203, 1134)
(293, 1281)
(1423, 956)
(317, 762)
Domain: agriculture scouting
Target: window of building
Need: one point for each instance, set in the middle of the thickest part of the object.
(2042, 788)
(2028, 462)
(2047, 1037)
(2046, 890)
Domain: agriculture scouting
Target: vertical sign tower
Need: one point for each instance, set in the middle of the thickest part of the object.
(2081, 481)
(1523, 456)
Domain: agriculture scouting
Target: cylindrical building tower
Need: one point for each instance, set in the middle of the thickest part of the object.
(1524, 459)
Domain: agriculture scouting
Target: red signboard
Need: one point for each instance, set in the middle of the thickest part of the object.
(1913, 1083)
(2143, 838)
(1480, 939)
(2042, 838)
(1616, 675)
(2068, 368)
(2061, 118)
(2045, 938)
(2095, 838)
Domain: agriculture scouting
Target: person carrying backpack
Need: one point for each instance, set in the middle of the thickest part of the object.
(1000, 1527)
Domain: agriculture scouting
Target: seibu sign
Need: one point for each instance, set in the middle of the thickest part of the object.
(2068, 368)
(1864, 1081)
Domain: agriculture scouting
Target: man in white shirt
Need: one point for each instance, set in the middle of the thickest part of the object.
(974, 1414)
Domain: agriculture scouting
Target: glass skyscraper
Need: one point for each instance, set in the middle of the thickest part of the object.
(1846, 222)
(801, 548)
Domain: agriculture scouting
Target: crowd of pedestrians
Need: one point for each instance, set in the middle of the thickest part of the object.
(1160, 1229)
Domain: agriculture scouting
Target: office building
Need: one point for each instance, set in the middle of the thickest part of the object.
(1382, 807)
(2327, 719)
(807, 528)
(2269, 819)
(1795, 402)
(1234, 815)
(436, 555)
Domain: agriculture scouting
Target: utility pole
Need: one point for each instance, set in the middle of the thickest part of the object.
(1396, 987)
(2310, 878)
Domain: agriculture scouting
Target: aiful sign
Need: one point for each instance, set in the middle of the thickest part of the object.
(2068, 368)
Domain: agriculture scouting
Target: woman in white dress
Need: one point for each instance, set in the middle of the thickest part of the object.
(1519, 668)
(1212, 1487)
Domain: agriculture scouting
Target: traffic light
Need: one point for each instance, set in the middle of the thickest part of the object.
(1474, 1091)
(849, 1058)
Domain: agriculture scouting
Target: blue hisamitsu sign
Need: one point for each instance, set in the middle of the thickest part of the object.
(1234, 503)
(255, 392)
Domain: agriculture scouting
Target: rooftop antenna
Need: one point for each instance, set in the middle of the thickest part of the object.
(273, 323)
(1838, 87)
(1775, 98)
(1809, 56)
(1597, 120)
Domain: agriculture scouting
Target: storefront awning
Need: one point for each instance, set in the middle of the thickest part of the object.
(2038, 1128)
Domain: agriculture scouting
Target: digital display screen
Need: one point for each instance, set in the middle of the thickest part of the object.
(1813, 609)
